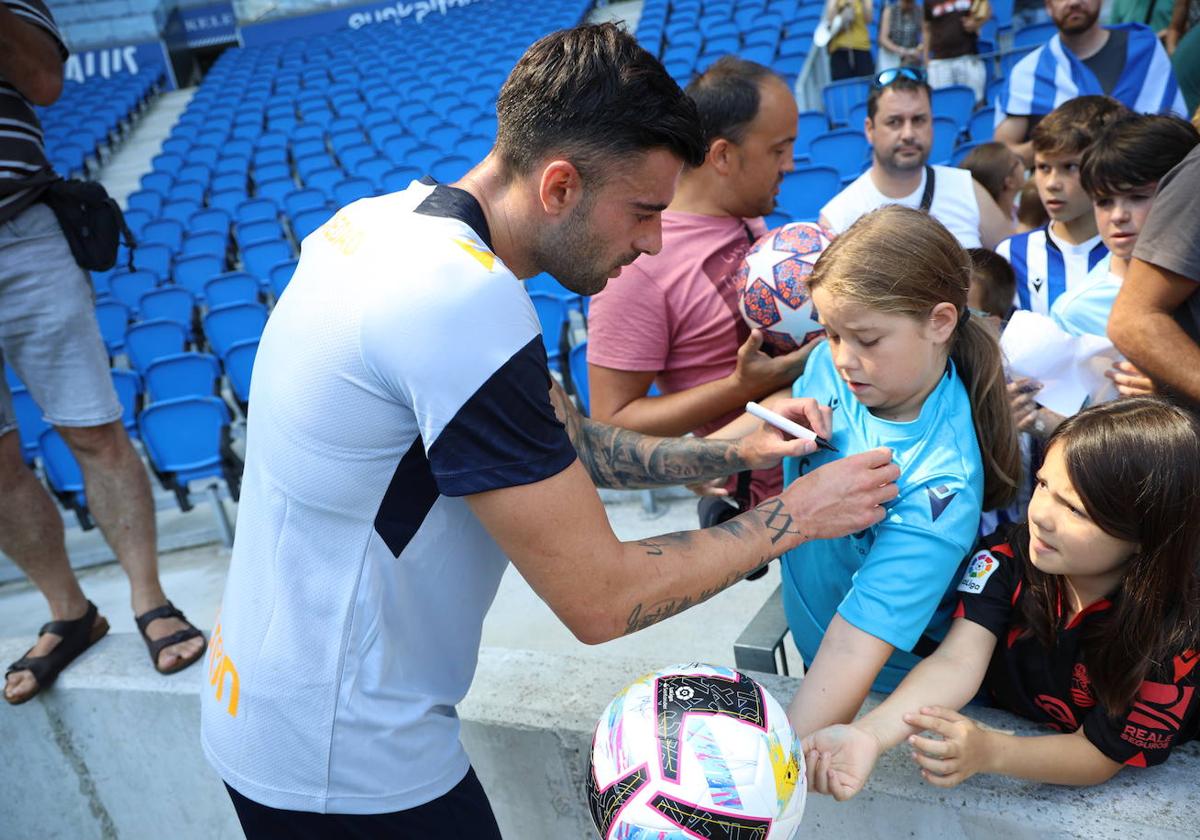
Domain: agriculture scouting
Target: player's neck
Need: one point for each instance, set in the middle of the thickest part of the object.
(1077, 230)
(896, 184)
(1087, 43)
(698, 194)
(501, 202)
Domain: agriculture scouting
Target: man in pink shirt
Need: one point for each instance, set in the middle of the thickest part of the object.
(672, 317)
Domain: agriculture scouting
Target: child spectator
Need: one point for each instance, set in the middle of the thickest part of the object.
(993, 285)
(1085, 619)
(999, 170)
(1054, 258)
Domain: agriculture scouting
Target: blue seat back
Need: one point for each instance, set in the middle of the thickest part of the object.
(183, 435)
(182, 375)
(129, 286)
(239, 365)
(63, 472)
(150, 340)
(552, 314)
(30, 422)
(956, 102)
(844, 150)
(113, 318)
(579, 375)
(281, 275)
(174, 303)
(128, 386)
(231, 287)
(226, 325)
(982, 125)
(260, 257)
(945, 138)
(840, 97)
(192, 272)
(806, 190)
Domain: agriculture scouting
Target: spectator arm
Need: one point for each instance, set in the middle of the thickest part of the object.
(618, 397)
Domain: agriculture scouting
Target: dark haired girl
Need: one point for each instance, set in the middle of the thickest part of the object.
(1086, 619)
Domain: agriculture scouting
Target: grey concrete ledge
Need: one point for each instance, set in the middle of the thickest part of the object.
(112, 751)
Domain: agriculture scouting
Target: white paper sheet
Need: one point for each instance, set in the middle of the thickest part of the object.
(1070, 368)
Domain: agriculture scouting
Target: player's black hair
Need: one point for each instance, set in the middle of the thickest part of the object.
(1134, 151)
(727, 97)
(592, 95)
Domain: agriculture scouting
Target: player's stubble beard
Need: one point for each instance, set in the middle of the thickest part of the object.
(572, 254)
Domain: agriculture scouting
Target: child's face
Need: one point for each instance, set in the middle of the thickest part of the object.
(1063, 540)
(1057, 179)
(1120, 217)
(890, 362)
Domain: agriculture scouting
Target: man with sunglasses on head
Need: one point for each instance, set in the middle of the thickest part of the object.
(899, 126)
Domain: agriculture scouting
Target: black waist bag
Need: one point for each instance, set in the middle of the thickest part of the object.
(91, 221)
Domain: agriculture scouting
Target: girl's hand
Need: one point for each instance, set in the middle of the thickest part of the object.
(963, 749)
(715, 487)
(1130, 381)
(1021, 398)
(839, 759)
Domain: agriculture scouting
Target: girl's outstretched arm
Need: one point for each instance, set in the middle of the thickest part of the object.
(964, 748)
(840, 758)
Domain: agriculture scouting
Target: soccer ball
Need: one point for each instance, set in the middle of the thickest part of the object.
(695, 751)
(770, 282)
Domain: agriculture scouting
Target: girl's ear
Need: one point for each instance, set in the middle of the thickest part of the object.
(943, 321)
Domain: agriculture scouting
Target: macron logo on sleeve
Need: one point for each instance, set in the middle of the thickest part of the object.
(940, 498)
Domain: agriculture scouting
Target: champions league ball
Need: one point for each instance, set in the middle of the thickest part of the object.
(770, 282)
(695, 751)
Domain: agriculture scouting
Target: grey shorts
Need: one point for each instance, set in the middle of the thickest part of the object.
(48, 330)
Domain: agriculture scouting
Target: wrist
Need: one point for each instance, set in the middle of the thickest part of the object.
(867, 726)
(992, 752)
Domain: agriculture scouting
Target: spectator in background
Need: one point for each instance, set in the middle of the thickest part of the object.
(951, 41)
(1030, 212)
(850, 47)
(672, 317)
(899, 125)
(1155, 320)
(1125, 62)
(1050, 260)
(1153, 13)
(900, 32)
(49, 335)
(999, 171)
(1183, 43)
(992, 288)
(1185, 16)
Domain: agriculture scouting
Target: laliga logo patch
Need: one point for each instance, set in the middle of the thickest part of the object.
(982, 566)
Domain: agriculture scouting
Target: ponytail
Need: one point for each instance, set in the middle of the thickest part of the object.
(977, 356)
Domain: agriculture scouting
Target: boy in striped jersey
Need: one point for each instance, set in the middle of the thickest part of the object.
(1058, 256)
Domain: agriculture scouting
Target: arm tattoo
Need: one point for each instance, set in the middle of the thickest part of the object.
(778, 522)
(643, 616)
(620, 458)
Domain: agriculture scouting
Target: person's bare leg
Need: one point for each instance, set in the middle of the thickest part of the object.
(31, 535)
(118, 494)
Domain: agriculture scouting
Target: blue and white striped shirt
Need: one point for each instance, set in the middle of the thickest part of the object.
(1052, 74)
(1046, 266)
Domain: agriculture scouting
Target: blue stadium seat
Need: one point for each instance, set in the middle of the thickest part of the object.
(187, 191)
(303, 199)
(226, 325)
(229, 181)
(1010, 59)
(256, 210)
(137, 220)
(172, 303)
(154, 258)
(806, 190)
(180, 209)
(448, 169)
(281, 275)
(208, 243)
(147, 200)
(324, 180)
(30, 422)
(128, 386)
(64, 475)
(127, 287)
(307, 221)
(352, 156)
(982, 125)
(166, 163)
(399, 178)
(843, 149)
(262, 230)
(956, 102)
(182, 375)
(552, 314)
(146, 341)
(231, 287)
(226, 200)
(167, 232)
(113, 318)
(258, 258)
(159, 182)
(577, 364)
(945, 137)
(1034, 35)
(274, 190)
(857, 117)
(839, 97)
(209, 220)
(960, 152)
(193, 271)
(186, 439)
(812, 124)
(373, 169)
(239, 364)
(350, 190)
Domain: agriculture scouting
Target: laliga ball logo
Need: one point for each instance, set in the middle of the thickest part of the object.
(772, 294)
(695, 751)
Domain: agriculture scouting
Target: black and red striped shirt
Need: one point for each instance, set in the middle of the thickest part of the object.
(1053, 686)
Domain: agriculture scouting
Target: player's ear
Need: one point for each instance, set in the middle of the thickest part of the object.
(560, 188)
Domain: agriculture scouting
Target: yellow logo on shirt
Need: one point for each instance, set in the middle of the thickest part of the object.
(342, 234)
(485, 257)
(220, 666)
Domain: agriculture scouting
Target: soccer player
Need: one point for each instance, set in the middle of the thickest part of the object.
(1049, 260)
(1085, 619)
(406, 441)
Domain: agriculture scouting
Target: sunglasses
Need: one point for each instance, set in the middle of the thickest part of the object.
(885, 78)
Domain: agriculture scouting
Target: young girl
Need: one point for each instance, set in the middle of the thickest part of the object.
(905, 366)
(1086, 619)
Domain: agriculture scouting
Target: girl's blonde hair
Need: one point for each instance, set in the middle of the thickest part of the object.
(903, 262)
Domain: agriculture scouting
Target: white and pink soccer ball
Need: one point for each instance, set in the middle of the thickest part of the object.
(695, 751)
(771, 283)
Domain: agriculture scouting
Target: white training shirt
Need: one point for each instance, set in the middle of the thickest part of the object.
(954, 203)
(402, 369)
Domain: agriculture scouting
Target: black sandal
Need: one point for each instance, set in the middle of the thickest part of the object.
(156, 646)
(77, 636)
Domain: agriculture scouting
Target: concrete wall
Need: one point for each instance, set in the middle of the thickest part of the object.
(112, 752)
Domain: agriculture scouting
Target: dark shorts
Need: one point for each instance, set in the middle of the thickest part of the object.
(461, 814)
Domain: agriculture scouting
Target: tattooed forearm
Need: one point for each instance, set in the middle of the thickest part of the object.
(655, 546)
(778, 522)
(643, 616)
(623, 459)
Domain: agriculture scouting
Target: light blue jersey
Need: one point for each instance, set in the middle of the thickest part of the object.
(894, 580)
(1084, 310)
